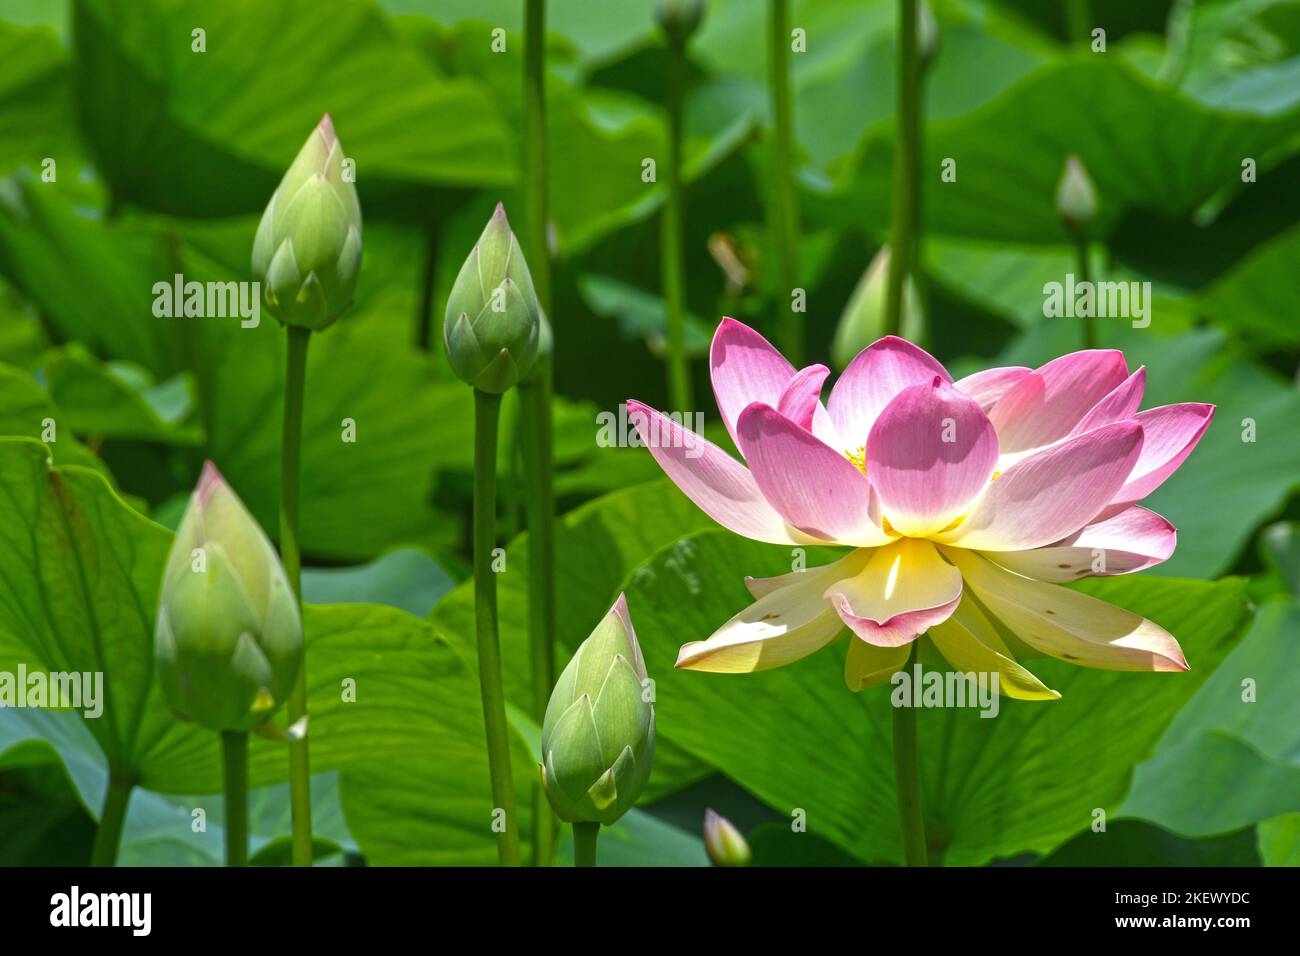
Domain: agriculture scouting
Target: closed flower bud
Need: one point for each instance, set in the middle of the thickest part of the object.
(598, 735)
(723, 842)
(1076, 197)
(229, 637)
(308, 247)
(927, 33)
(863, 319)
(492, 326)
(679, 18)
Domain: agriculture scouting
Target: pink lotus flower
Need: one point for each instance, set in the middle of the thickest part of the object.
(963, 502)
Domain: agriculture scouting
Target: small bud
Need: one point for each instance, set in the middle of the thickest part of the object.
(307, 252)
(927, 33)
(723, 842)
(229, 637)
(493, 318)
(545, 347)
(598, 735)
(1076, 197)
(863, 319)
(678, 18)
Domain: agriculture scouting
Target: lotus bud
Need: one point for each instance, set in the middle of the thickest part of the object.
(228, 637)
(1076, 197)
(545, 348)
(863, 320)
(723, 842)
(679, 18)
(308, 247)
(493, 318)
(598, 735)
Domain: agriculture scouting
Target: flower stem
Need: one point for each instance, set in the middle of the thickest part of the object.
(234, 767)
(487, 414)
(584, 843)
(907, 158)
(539, 503)
(535, 169)
(785, 210)
(673, 265)
(1090, 340)
(428, 326)
(907, 781)
(111, 818)
(291, 451)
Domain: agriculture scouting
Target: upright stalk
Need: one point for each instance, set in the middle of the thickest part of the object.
(785, 210)
(539, 505)
(536, 427)
(584, 843)
(671, 241)
(1090, 338)
(907, 780)
(487, 413)
(111, 818)
(290, 554)
(907, 159)
(234, 766)
(534, 164)
(428, 327)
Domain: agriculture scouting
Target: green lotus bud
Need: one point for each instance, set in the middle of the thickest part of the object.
(927, 33)
(723, 842)
(308, 247)
(598, 736)
(1076, 197)
(493, 318)
(863, 319)
(229, 637)
(678, 18)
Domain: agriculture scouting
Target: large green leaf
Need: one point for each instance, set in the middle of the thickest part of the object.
(35, 110)
(1232, 756)
(1022, 782)
(1149, 147)
(210, 133)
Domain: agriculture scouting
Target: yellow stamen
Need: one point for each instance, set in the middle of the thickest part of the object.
(858, 458)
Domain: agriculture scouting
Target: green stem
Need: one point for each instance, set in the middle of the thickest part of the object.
(534, 141)
(1078, 20)
(584, 843)
(234, 767)
(537, 446)
(673, 266)
(428, 323)
(111, 818)
(1090, 338)
(290, 450)
(907, 158)
(907, 781)
(487, 413)
(785, 209)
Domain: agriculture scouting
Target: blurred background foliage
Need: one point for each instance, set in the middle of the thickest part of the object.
(163, 160)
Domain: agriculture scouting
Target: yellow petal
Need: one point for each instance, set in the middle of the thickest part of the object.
(869, 666)
(970, 644)
(1066, 624)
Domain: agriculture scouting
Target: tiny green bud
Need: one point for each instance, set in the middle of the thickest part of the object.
(493, 318)
(863, 319)
(723, 842)
(1076, 197)
(229, 637)
(927, 33)
(679, 18)
(598, 735)
(307, 252)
